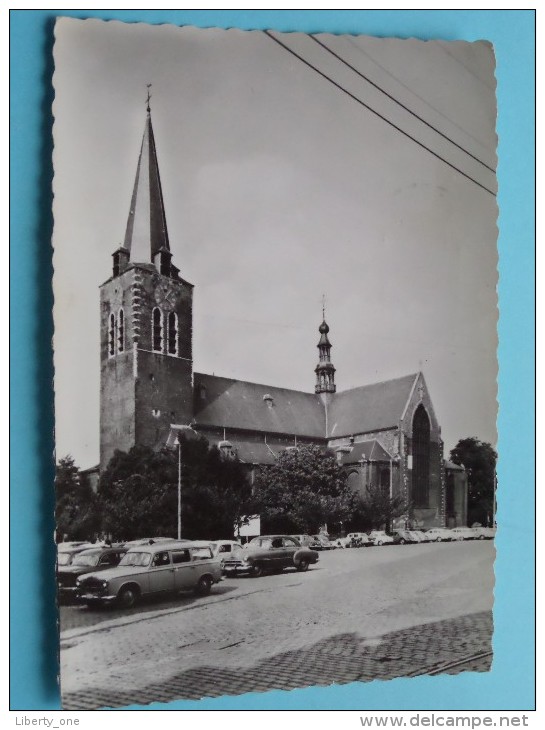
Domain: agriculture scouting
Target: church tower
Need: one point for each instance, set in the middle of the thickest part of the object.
(145, 325)
(325, 371)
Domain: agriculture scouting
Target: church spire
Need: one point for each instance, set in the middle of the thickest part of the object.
(146, 236)
(325, 371)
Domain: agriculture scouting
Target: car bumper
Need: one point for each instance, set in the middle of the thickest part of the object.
(67, 590)
(230, 570)
(94, 598)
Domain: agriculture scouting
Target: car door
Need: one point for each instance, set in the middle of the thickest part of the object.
(290, 548)
(161, 572)
(201, 559)
(184, 569)
(276, 556)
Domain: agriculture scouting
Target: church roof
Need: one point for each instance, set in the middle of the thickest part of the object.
(251, 452)
(369, 407)
(146, 232)
(371, 450)
(229, 403)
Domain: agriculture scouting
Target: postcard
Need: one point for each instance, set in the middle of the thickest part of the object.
(275, 271)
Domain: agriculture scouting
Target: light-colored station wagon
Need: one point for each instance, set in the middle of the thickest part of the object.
(165, 567)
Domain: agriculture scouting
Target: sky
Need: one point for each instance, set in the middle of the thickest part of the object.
(280, 188)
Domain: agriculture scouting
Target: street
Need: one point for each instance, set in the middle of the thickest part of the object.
(358, 614)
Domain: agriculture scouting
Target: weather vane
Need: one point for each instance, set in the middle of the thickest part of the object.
(148, 99)
(323, 307)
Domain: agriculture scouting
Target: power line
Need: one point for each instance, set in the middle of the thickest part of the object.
(369, 108)
(399, 103)
(412, 91)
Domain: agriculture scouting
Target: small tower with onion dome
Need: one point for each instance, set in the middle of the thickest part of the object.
(325, 370)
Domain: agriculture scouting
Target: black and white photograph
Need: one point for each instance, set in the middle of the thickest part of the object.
(275, 349)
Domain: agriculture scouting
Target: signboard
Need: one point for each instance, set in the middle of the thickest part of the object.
(251, 529)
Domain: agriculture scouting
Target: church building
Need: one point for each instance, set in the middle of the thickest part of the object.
(385, 434)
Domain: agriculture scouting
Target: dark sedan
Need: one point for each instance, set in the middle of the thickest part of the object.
(270, 553)
(86, 561)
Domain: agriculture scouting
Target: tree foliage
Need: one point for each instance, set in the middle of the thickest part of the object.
(376, 509)
(139, 492)
(301, 491)
(76, 510)
(479, 459)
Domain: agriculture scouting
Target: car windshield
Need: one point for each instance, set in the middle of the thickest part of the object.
(64, 558)
(86, 560)
(136, 559)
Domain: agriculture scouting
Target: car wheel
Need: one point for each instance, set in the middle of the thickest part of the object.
(303, 565)
(203, 586)
(481, 537)
(257, 571)
(402, 541)
(379, 542)
(127, 597)
(438, 539)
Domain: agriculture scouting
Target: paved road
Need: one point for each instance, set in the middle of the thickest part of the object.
(289, 630)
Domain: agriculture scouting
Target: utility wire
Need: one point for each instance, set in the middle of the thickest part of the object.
(412, 91)
(369, 108)
(399, 103)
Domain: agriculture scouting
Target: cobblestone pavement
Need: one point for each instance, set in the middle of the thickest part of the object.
(359, 615)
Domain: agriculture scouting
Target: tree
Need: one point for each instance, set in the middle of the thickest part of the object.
(139, 492)
(376, 509)
(479, 459)
(76, 510)
(302, 490)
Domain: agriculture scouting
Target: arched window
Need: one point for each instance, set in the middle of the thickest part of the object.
(172, 333)
(120, 331)
(111, 336)
(421, 458)
(450, 504)
(385, 480)
(355, 483)
(157, 330)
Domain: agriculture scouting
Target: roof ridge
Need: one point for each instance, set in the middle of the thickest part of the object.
(378, 382)
(262, 385)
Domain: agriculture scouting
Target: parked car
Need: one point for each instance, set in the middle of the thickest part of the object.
(66, 553)
(303, 539)
(224, 549)
(405, 536)
(463, 533)
(358, 539)
(163, 567)
(320, 542)
(439, 534)
(484, 533)
(380, 537)
(420, 535)
(90, 560)
(270, 553)
(342, 542)
(150, 541)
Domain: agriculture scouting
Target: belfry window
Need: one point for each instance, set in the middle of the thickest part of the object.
(111, 335)
(172, 333)
(157, 330)
(120, 331)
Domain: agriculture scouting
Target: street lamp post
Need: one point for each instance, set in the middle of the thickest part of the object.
(179, 445)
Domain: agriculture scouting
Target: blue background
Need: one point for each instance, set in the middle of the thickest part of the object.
(510, 684)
